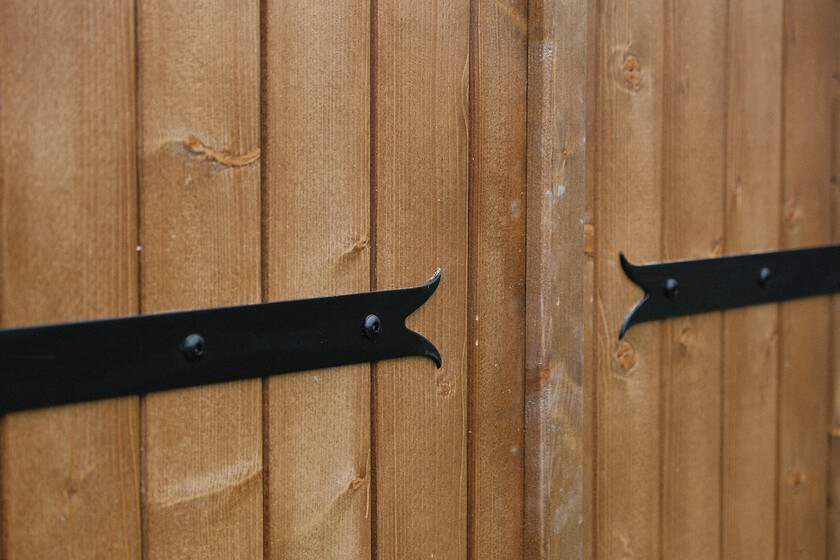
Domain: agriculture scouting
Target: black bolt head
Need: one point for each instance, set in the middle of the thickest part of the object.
(193, 347)
(671, 289)
(372, 326)
(764, 277)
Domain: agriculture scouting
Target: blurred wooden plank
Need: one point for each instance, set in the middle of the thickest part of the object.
(70, 475)
(692, 222)
(420, 173)
(750, 359)
(498, 66)
(590, 397)
(557, 60)
(199, 80)
(833, 521)
(317, 223)
(628, 218)
(804, 382)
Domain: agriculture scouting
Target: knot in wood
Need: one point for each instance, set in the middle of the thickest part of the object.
(632, 70)
(444, 388)
(626, 355)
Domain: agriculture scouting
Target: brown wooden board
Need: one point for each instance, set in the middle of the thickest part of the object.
(694, 173)
(750, 359)
(69, 476)
(627, 218)
(833, 521)
(420, 173)
(810, 65)
(316, 185)
(199, 155)
(557, 62)
(498, 65)
(589, 506)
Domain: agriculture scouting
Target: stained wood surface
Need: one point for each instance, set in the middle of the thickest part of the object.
(694, 174)
(627, 217)
(723, 424)
(69, 476)
(420, 173)
(557, 44)
(833, 521)
(316, 187)
(589, 479)
(810, 35)
(498, 66)
(288, 150)
(750, 335)
(200, 247)
(366, 180)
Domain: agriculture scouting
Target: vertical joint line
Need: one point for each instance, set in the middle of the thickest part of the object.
(372, 215)
(722, 366)
(780, 307)
(138, 151)
(472, 163)
(666, 180)
(264, 288)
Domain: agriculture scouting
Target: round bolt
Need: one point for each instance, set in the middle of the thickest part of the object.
(672, 288)
(372, 326)
(764, 277)
(193, 347)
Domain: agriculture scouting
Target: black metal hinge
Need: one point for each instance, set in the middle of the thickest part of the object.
(674, 289)
(72, 362)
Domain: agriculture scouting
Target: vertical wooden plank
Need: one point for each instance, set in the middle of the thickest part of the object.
(750, 359)
(70, 475)
(833, 539)
(809, 66)
(420, 173)
(692, 221)
(317, 211)
(200, 247)
(590, 397)
(555, 273)
(498, 66)
(628, 218)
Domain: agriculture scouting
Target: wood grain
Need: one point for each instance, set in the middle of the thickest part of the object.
(591, 424)
(805, 362)
(833, 521)
(694, 176)
(498, 66)
(200, 247)
(750, 360)
(420, 173)
(628, 218)
(557, 43)
(70, 475)
(317, 232)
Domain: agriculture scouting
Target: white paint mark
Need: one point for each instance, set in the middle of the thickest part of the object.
(515, 209)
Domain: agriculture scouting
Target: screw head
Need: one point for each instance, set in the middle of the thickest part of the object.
(764, 277)
(193, 347)
(671, 289)
(372, 327)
